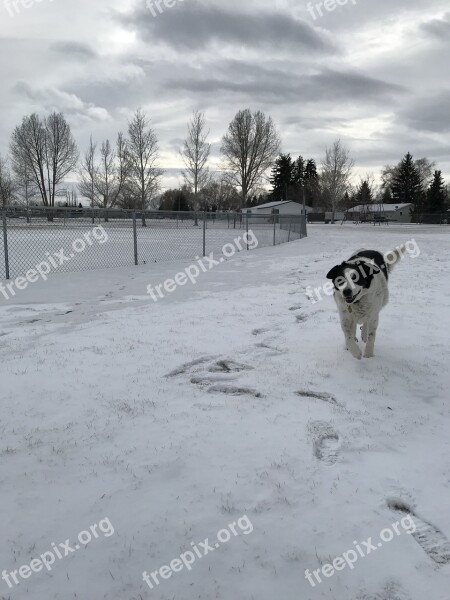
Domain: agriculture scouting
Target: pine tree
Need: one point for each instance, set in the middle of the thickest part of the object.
(347, 201)
(252, 201)
(364, 194)
(386, 198)
(298, 171)
(436, 194)
(281, 177)
(312, 186)
(181, 202)
(298, 180)
(406, 185)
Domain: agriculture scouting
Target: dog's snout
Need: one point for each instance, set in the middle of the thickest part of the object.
(347, 292)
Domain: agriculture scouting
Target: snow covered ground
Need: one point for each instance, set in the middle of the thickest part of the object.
(174, 419)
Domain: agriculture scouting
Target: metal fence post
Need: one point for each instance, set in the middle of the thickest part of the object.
(136, 259)
(5, 243)
(247, 230)
(204, 234)
(274, 230)
(290, 225)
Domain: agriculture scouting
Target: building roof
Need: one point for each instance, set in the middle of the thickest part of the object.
(378, 207)
(272, 204)
(278, 203)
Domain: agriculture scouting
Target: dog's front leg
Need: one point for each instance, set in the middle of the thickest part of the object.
(364, 333)
(371, 334)
(348, 325)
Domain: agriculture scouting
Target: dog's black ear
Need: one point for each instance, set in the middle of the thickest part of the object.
(335, 271)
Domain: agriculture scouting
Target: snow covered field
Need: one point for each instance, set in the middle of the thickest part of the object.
(233, 397)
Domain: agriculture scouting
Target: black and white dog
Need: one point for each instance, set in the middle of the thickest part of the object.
(361, 291)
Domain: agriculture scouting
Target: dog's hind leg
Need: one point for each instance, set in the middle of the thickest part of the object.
(372, 327)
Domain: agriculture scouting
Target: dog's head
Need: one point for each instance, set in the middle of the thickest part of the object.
(352, 279)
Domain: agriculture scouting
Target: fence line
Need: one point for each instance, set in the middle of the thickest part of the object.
(36, 234)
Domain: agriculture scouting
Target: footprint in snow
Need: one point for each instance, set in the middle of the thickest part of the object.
(228, 366)
(232, 390)
(260, 331)
(432, 541)
(273, 350)
(222, 370)
(301, 318)
(205, 380)
(392, 591)
(216, 375)
(184, 368)
(326, 442)
(319, 396)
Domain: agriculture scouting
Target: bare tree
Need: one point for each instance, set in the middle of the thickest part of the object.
(6, 183)
(143, 156)
(112, 172)
(103, 182)
(25, 185)
(219, 195)
(47, 149)
(71, 198)
(88, 174)
(250, 146)
(195, 154)
(426, 169)
(337, 168)
(122, 171)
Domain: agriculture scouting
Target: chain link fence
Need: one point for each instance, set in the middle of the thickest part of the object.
(78, 239)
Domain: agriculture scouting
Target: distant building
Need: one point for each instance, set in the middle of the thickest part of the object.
(401, 213)
(284, 207)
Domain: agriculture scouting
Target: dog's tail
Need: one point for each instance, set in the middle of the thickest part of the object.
(394, 256)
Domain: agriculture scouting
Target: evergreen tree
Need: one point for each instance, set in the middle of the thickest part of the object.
(406, 185)
(298, 180)
(436, 194)
(181, 202)
(298, 171)
(281, 177)
(364, 194)
(386, 197)
(252, 201)
(312, 186)
(347, 201)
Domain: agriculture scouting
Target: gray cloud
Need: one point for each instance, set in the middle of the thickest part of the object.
(285, 86)
(73, 49)
(429, 114)
(53, 99)
(193, 25)
(353, 73)
(439, 28)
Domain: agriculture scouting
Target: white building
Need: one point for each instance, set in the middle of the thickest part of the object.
(401, 213)
(284, 207)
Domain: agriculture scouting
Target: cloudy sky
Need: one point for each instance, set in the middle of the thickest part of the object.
(373, 72)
